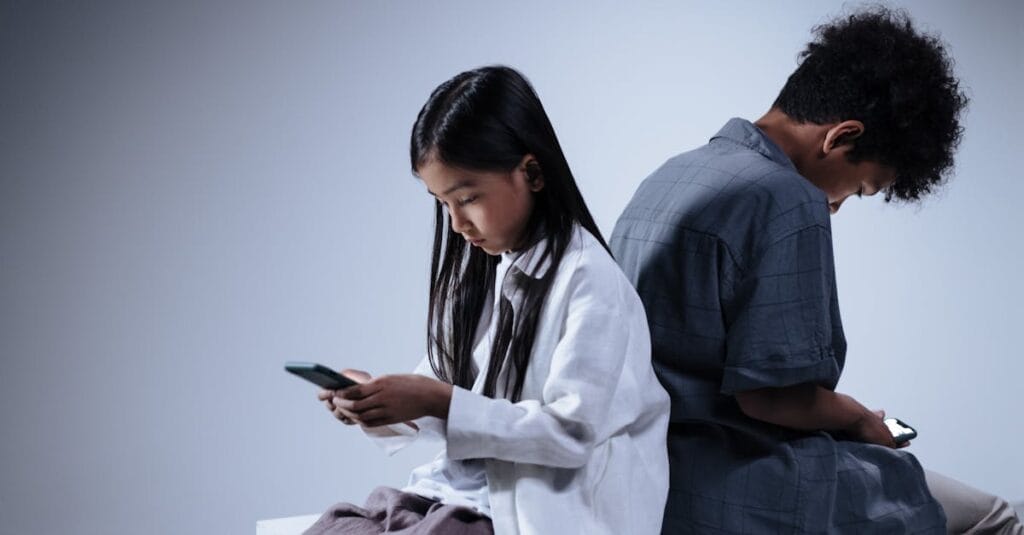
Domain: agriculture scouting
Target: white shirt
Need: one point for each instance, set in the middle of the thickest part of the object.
(464, 482)
(584, 451)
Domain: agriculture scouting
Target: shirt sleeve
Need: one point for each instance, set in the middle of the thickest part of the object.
(562, 427)
(780, 322)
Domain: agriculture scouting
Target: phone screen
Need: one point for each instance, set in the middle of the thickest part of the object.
(901, 432)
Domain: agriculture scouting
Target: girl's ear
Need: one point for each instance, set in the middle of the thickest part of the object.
(534, 175)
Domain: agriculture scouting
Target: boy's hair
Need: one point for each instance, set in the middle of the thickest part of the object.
(875, 67)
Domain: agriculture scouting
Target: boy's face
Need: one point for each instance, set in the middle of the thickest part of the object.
(842, 179)
(833, 172)
(489, 209)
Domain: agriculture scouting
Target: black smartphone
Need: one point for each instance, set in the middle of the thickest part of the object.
(901, 432)
(319, 375)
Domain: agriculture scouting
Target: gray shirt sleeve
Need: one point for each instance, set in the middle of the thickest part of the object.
(781, 316)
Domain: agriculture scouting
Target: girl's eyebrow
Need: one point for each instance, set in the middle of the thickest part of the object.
(464, 183)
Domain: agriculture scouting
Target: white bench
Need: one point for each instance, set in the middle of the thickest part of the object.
(292, 525)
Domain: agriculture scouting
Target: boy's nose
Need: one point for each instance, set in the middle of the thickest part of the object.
(833, 206)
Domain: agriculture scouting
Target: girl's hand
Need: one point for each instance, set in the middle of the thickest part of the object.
(327, 396)
(391, 399)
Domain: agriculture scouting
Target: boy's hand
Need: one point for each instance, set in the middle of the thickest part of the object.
(392, 399)
(872, 429)
(327, 396)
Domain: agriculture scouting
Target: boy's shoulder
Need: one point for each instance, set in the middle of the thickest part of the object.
(726, 190)
(725, 177)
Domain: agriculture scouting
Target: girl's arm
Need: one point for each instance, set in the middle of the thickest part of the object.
(400, 431)
(430, 425)
(573, 413)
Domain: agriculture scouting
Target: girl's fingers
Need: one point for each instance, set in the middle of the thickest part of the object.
(376, 417)
(323, 395)
(347, 414)
(363, 390)
(360, 406)
(343, 417)
(329, 405)
(358, 376)
(343, 403)
(357, 391)
(352, 392)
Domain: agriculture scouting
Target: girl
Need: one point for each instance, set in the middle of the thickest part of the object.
(538, 371)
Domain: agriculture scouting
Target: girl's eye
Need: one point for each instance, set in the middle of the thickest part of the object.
(466, 200)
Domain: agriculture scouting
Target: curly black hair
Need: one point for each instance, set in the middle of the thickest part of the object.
(874, 67)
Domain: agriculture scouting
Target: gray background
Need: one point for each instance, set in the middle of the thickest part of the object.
(192, 193)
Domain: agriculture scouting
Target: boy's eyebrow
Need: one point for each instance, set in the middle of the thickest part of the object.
(464, 183)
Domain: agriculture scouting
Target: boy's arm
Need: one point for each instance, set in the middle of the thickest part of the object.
(810, 407)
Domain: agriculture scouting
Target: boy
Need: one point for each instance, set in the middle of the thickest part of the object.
(730, 249)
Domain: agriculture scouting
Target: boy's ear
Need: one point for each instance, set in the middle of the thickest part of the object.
(842, 134)
(534, 174)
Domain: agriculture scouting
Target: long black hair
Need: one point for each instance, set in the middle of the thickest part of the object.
(489, 119)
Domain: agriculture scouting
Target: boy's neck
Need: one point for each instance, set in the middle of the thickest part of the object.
(800, 141)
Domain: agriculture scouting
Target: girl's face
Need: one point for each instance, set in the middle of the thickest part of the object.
(490, 209)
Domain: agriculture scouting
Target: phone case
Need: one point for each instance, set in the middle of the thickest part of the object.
(319, 375)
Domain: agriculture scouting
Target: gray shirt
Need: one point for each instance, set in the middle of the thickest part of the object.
(730, 250)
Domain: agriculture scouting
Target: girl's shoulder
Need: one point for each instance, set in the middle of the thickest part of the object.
(586, 258)
(587, 248)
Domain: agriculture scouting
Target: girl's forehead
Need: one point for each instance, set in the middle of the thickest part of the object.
(442, 179)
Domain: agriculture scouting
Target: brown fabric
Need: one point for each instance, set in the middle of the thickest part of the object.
(393, 511)
(969, 510)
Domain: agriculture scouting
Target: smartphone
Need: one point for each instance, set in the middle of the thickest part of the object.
(901, 432)
(319, 375)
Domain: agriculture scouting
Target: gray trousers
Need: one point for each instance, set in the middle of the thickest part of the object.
(969, 510)
(389, 510)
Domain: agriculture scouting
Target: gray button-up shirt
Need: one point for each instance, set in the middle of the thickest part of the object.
(730, 250)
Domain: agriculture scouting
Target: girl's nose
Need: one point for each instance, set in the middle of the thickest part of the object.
(459, 223)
